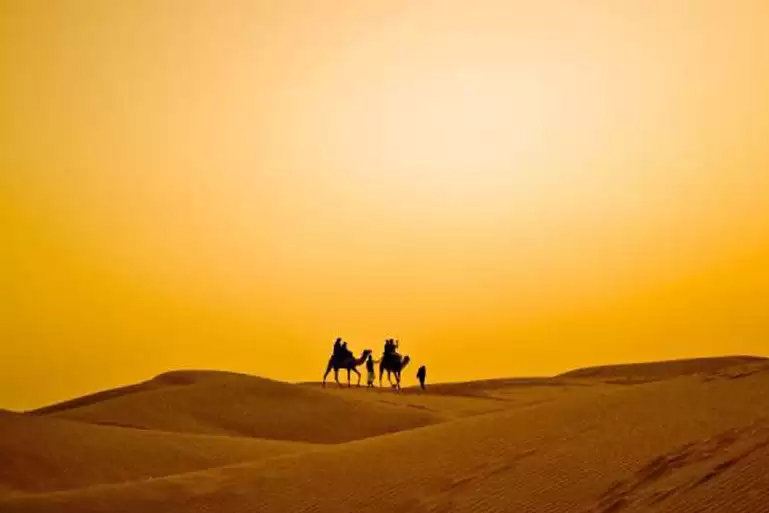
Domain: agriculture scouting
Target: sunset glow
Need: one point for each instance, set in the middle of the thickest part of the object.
(509, 188)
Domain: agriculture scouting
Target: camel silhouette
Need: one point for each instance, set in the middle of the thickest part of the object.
(393, 364)
(345, 362)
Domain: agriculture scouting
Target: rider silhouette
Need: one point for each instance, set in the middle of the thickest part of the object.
(390, 349)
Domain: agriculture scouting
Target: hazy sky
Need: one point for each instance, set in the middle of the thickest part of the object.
(509, 187)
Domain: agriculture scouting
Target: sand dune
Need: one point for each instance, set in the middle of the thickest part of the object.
(661, 370)
(175, 378)
(442, 407)
(695, 441)
(239, 405)
(45, 454)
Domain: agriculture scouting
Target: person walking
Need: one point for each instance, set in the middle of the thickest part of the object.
(422, 376)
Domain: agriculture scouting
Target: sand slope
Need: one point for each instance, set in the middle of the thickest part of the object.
(661, 370)
(174, 378)
(240, 405)
(696, 442)
(44, 454)
(442, 407)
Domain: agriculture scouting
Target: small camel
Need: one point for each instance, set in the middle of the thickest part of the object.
(393, 365)
(349, 363)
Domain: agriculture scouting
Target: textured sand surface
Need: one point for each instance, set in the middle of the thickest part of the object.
(663, 437)
(46, 454)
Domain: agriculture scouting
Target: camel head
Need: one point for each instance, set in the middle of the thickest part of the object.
(406, 360)
(366, 352)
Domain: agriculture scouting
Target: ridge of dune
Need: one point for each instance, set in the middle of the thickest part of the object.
(166, 379)
(673, 445)
(661, 369)
(623, 373)
(209, 402)
(41, 454)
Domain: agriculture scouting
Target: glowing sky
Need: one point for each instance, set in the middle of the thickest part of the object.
(509, 187)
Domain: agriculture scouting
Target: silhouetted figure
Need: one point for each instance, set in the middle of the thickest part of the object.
(390, 347)
(422, 376)
(344, 352)
(348, 364)
(393, 365)
(389, 350)
(370, 371)
(337, 347)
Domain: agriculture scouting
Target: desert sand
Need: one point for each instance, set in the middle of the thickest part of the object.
(680, 436)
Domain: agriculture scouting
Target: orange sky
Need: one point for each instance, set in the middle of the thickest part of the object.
(509, 187)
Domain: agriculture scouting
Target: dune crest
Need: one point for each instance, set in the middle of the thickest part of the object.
(662, 369)
(219, 403)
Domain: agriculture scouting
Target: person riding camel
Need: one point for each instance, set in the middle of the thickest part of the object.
(344, 352)
(390, 349)
(340, 350)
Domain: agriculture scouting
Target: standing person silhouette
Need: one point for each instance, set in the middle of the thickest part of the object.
(422, 376)
(370, 370)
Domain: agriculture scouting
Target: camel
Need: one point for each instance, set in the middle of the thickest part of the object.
(349, 363)
(393, 365)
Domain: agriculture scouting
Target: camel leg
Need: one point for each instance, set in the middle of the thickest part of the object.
(328, 369)
(348, 378)
(390, 378)
(398, 381)
(358, 373)
(336, 378)
(381, 372)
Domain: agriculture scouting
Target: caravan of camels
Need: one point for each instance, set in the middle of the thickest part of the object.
(391, 362)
